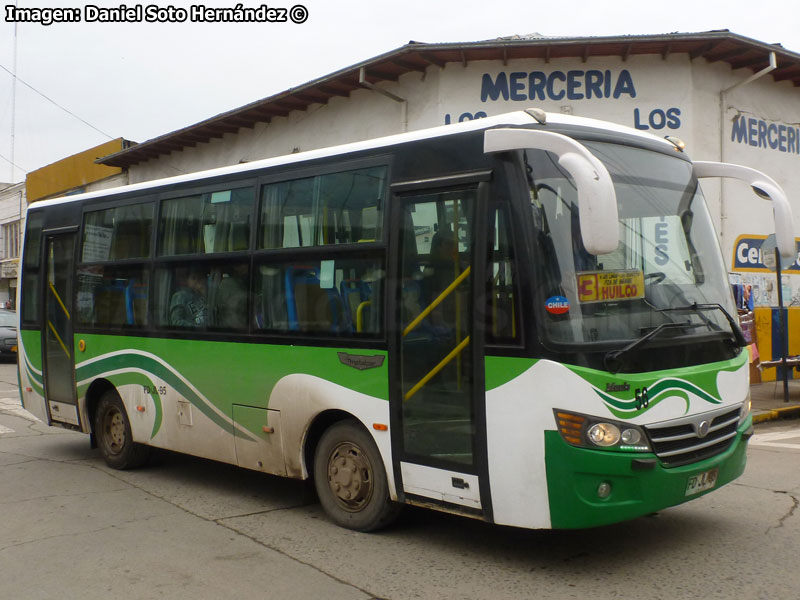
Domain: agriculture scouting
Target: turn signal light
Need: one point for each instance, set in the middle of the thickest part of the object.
(570, 426)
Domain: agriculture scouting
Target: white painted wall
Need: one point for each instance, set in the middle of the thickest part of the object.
(673, 96)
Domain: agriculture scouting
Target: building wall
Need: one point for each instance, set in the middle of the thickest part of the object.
(673, 96)
(12, 200)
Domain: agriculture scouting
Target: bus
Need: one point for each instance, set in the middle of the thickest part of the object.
(524, 319)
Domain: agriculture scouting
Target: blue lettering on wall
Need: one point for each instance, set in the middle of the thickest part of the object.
(761, 134)
(556, 85)
(658, 119)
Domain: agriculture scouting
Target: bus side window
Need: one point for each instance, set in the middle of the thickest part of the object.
(109, 294)
(335, 208)
(228, 296)
(341, 297)
(206, 223)
(503, 297)
(31, 264)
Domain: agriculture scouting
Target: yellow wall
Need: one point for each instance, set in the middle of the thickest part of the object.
(764, 340)
(72, 172)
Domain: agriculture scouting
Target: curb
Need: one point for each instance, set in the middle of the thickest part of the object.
(777, 413)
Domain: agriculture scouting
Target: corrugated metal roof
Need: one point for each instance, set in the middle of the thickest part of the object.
(736, 50)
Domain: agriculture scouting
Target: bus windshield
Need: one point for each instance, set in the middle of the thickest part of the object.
(668, 256)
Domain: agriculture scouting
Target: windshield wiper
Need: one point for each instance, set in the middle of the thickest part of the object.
(612, 361)
(738, 336)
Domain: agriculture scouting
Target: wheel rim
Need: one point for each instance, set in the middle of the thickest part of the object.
(350, 477)
(113, 430)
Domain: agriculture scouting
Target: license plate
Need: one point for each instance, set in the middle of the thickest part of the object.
(701, 482)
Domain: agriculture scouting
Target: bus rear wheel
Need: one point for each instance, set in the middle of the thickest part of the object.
(350, 479)
(112, 430)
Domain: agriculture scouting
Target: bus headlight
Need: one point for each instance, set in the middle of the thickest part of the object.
(604, 434)
(591, 432)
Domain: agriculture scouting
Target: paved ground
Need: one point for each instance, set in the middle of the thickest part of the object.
(769, 404)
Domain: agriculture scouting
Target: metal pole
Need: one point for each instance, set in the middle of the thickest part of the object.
(783, 328)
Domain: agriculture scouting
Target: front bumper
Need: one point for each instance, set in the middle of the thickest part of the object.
(639, 484)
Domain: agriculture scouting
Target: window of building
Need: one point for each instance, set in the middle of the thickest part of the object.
(11, 240)
(336, 208)
(206, 223)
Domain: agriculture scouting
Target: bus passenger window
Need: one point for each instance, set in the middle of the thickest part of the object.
(336, 208)
(228, 296)
(340, 297)
(117, 233)
(502, 311)
(112, 296)
(30, 268)
(206, 223)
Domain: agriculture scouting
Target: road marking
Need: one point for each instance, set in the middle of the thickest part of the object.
(772, 439)
(5, 430)
(12, 406)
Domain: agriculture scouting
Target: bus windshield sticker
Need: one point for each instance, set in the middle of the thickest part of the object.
(610, 286)
(557, 305)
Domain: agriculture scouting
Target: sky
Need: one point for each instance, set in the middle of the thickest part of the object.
(81, 84)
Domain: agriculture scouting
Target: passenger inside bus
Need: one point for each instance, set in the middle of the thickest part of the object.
(187, 307)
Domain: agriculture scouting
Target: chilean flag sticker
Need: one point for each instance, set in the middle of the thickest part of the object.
(557, 305)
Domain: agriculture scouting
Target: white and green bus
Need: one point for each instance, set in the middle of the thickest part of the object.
(524, 319)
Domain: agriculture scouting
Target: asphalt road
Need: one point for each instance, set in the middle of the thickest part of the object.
(191, 528)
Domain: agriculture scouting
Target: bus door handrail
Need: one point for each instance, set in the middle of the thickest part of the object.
(456, 351)
(442, 364)
(439, 299)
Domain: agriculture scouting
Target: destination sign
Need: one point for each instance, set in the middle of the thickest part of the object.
(610, 286)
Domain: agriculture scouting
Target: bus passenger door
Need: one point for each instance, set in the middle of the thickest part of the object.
(437, 389)
(57, 343)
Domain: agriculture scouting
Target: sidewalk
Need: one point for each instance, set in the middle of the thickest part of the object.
(768, 403)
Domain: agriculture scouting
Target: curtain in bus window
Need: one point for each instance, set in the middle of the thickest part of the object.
(336, 208)
(181, 220)
(117, 233)
(209, 223)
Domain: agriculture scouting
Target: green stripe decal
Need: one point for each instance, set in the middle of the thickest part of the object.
(631, 395)
(131, 362)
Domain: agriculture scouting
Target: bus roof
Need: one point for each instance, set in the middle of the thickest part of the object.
(520, 117)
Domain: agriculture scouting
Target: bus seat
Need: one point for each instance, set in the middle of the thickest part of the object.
(309, 306)
(135, 302)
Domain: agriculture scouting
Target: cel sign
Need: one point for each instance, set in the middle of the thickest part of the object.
(747, 256)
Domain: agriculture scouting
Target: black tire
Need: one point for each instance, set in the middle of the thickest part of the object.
(112, 430)
(350, 479)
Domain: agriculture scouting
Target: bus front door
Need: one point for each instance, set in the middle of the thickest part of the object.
(57, 343)
(437, 353)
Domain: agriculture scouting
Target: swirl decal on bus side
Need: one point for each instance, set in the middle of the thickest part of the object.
(646, 398)
(142, 367)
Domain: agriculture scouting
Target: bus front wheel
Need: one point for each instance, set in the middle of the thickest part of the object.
(350, 479)
(113, 433)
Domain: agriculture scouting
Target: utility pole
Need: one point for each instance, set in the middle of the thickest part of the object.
(13, 100)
